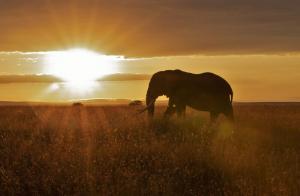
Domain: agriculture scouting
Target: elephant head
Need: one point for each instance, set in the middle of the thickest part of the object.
(161, 83)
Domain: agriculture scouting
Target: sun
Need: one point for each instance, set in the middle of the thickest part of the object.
(80, 65)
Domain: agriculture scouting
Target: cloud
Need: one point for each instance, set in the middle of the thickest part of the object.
(143, 28)
(29, 79)
(52, 79)
(125, 77)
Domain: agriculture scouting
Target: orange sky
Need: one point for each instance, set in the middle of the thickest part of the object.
(255, 45)
(152, 27)
(253, 77)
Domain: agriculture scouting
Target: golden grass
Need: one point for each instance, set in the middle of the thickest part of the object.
(107, 150)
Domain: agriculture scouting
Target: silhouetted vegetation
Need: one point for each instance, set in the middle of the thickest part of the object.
(55, 150)
(77, 104)
(135, 103)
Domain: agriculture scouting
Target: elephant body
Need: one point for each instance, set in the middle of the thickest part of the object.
(205, 92)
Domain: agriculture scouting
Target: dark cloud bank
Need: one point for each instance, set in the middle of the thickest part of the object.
(152, 27)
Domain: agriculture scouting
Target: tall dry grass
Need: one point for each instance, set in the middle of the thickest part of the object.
(54, 150)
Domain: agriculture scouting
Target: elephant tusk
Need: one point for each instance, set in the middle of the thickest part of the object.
(146, 108)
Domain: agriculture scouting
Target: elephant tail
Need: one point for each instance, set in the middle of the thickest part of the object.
(231, 95)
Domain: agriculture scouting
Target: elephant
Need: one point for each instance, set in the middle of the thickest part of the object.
(205, 92)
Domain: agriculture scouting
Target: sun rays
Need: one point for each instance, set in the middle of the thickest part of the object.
(80, 65)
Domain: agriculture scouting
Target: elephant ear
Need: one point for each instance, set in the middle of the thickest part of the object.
(172, 82)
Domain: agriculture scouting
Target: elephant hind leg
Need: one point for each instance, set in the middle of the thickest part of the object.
(213, 116)
(181, 110)
(229, 113)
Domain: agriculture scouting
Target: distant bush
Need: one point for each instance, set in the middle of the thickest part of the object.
(77, 104)
(135, 103)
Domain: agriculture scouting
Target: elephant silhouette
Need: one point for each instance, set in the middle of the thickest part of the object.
(205, 92)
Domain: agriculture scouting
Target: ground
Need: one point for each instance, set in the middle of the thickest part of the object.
(110, 150)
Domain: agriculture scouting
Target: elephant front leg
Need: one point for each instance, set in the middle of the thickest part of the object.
(171, 109)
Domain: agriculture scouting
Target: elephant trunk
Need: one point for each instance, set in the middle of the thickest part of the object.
(150, 101)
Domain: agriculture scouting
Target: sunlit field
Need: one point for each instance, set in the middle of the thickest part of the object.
(110, 150)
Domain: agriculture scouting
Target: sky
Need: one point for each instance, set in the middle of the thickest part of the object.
(255, 45)
(152, 27)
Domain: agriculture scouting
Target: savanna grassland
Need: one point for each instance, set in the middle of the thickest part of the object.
(109, 150)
